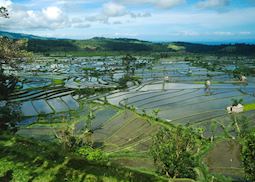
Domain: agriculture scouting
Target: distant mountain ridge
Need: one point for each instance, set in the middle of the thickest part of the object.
(102, 44)
(13, 35)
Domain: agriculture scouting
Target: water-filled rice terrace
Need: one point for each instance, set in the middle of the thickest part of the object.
(49, 97)
(185, 104)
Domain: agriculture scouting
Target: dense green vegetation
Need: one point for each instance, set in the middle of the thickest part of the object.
(177, 158)
(9, 50)
(92, 45)
(30, 160)
(224, 49)
(130, 45)
(248, 154)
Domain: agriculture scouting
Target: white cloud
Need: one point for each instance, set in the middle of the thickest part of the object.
(5, 3)
(216, 33)
(122, 34)
(245, 33)
(207, 4)
(140, 15)
(51, 17)
(52, 13)
(113, 9)
(188, 33)
(158, 3)
(169, 3)
(97, 18)
(224, 33)
(48, 18)
(81, 25)
(117, 22)
(60, 16)
(203, 20)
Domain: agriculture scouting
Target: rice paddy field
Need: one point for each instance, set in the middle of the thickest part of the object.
(50, 96)
(183, 104)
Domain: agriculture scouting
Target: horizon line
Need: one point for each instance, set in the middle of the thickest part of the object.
(206, 42)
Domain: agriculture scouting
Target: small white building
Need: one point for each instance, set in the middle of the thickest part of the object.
(235, 109)
(166, 79)
(243, 78)
(208, 83)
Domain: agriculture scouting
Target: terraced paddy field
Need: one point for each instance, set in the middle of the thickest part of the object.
(125, 120)
(225, 158)
(183, 104)
(123, 134)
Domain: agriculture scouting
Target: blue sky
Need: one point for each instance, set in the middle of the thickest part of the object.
(154, 20)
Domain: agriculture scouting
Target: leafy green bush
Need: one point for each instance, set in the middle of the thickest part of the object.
(248, 155)
(127, 78)
(235, 102)
(58, 82)
(92, 154)
(10, 114)
(175, 152)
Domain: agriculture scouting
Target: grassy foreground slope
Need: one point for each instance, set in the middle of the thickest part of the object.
(30, 160)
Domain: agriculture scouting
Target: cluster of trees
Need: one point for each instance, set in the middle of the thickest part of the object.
(36, 45)
(248, 154)
(175, 152)
(96, 44)
(10, 52)
(80, 142)
(246, 137)
(243, 70)
(129, 63)
(70, 139)
(232, 49)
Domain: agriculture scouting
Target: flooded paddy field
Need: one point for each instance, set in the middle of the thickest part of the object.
(55, 92)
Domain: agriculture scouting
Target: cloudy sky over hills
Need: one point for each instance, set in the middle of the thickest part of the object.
(156, 20)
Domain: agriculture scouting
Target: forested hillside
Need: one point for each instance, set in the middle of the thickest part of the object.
(99, 44)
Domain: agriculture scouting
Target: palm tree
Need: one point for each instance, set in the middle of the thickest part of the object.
(164, 84)
(150, 68)
(201, 132)
(144, 112)
(235, 102)
(156, 112)
(91, 116)
(105, 100)
(66, 136)
(235, 123)
(213, 128)
(126, 61)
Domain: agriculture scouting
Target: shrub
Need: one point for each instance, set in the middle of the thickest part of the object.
(235, 102)
(92, 154)
(58, 82)
(10, 114)
(248, 155)
(175, 152)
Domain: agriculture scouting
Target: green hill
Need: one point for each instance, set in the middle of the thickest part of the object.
(99, 44)
(22, 36)
(95, 44)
